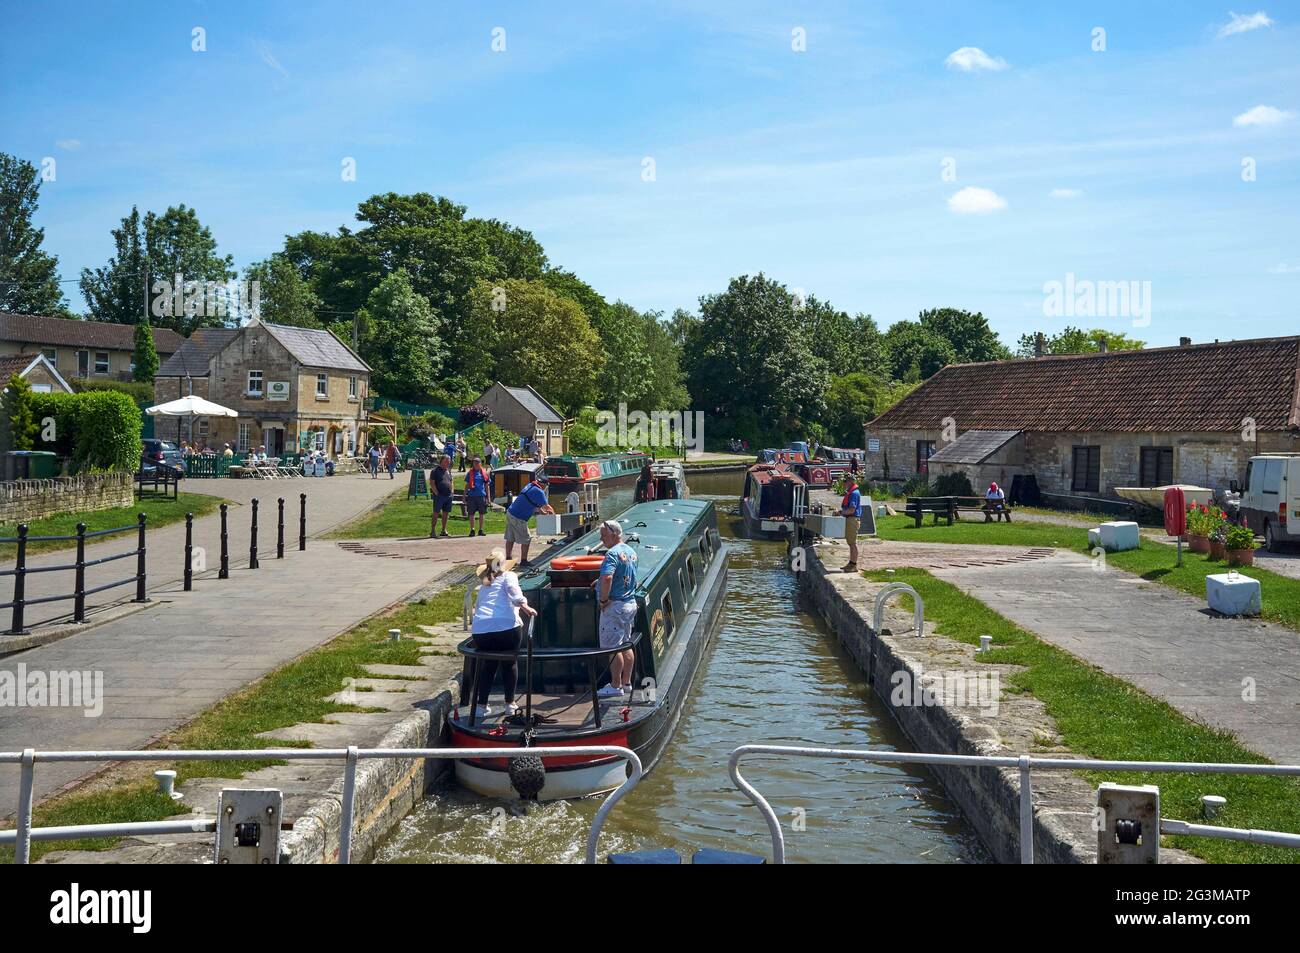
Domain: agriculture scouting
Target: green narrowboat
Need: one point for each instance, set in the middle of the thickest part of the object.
(571, 472)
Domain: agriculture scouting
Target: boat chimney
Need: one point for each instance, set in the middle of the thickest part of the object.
(1184, 342)
(1040, 343)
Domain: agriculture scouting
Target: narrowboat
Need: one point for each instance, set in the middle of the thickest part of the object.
(667, 482)
(829, 465)
(571, 472)
(681, 585)
(786, 455)
(772, 499)
(508, 481)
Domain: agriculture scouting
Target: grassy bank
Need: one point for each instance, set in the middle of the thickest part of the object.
(160, 512)
(291, 694)
(1152, 561)
(1101, 716)
(398, 516)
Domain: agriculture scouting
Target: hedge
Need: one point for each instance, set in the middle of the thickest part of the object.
(97, 430)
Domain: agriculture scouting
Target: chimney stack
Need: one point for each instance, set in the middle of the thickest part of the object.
(1102, 346)
(1184, 342)
(1040, 343)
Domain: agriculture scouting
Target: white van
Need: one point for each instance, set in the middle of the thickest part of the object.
(1271, 501)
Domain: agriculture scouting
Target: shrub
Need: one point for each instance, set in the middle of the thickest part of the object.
(917, 485)
(1240, 537)
(97, 430)
(472, 414)
(20, 420)
(141, 393)
(953, 484)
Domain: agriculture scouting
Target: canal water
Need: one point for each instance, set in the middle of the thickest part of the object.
(775, 675)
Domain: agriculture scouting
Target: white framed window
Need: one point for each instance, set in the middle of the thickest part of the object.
(320, 439)
(322, 386)
(203, 429)
(255, 384)
(541, 432)
(556, 432)
(352, 388)
(102, 364)
(243, 437)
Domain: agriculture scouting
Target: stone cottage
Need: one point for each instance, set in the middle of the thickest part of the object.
(294, 389)
(524, 411)
(1085, 424)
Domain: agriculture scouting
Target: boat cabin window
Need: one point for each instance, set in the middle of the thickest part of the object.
(704, 549)
(669, 623)
(690, 573)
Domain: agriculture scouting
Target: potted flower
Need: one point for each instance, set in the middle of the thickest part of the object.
(1199, 526)
(1241, 545)
(1219, 536)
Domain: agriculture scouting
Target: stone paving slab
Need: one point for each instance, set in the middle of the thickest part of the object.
(1161, 640)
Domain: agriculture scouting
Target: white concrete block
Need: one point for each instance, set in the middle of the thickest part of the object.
(1119, 536)
(826, 525)
(1094, 538)
(1233, 594)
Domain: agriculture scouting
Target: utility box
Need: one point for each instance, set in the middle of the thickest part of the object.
(557, 524)
(825, 524)
(248, 826)
(1128, 824)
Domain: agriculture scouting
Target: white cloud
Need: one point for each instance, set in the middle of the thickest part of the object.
(264, 51)
(1244, 24)
(1065, 193)
(68, 145)
(971, 58)
(1263, 116)
(1285, 268)
(976, 201)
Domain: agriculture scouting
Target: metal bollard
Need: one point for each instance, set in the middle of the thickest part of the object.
(20, 573)
(302, 521)
(79, 587)
(139, 561)
(189, 551)
(224, 571)
(252, 540)
(279, 533)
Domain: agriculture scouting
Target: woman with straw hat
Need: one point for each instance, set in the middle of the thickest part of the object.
(497, 627)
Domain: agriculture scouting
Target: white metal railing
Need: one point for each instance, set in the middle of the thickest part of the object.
(1025, 764)
(23, 835)
(898, 589)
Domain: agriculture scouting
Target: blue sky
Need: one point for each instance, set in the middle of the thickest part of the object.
(822, 168)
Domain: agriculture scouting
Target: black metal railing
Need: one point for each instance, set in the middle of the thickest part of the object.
(78, 567)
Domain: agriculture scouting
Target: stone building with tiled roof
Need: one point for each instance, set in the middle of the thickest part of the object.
(1085, 424)
(294, 389)
(524, 411)
(96, 350)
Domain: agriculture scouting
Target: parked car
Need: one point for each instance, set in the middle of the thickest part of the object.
(1271, 500)
(161, 452)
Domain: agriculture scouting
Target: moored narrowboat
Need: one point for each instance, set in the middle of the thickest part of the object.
(667, 481)
(570, 472)
(773, 497)
(681, 585)
(508, 481)
(829, 465)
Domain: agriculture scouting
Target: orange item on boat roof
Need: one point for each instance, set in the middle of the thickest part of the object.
(578, 562)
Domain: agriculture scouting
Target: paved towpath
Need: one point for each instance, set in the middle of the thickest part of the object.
(164, 665)
(1161, 640)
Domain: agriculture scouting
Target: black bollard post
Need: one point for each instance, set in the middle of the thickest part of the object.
(189, 551)
(79, 587)
(302, 521)
(252, 540)
(279, 533)
(20, 573)
(224, 571)
(139, 561)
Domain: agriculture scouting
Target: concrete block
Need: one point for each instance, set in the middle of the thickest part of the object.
(1233, 594)
(1094, 538)
(1118, 536)
(831, 527)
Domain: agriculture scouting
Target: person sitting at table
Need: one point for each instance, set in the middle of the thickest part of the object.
(994, 495)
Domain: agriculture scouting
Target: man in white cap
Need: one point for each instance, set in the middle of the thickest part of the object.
(616, 592)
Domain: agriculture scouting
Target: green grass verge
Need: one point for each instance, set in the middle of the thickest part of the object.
(291, 694)
(398, 516)
(1101, 716)
(159, 511)
(1152, 561)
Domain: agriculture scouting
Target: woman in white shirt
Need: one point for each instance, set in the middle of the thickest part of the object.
(497, 627)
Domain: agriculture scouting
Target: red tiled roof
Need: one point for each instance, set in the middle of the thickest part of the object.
(69, 332)
(1203, 387)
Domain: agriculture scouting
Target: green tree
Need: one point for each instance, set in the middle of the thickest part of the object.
(853, 399)
(968, 333)
(285, 296)
(117, 291)
(539, 338)
(1072, 340)
(667, 382)
(178, 244)
(916, 352)
(29, 278)
(400, 340)
(21, 429)
(515, 252)
(146, 355)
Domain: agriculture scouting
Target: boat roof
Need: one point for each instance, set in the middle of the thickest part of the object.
(770, 472)
(667, 468)
(666, 522)
(618, 455)
(529, 467)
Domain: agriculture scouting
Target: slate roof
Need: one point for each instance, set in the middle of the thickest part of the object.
(1201, 387)
(314, 348)
(192, 359)
(535, 404)
(974, 446)
(69, 332)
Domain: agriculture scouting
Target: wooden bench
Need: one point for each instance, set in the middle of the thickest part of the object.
(158, 476)
(948, 507)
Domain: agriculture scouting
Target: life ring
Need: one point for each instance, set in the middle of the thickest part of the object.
(577, 562)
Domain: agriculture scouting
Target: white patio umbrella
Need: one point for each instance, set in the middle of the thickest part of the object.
(190, 406)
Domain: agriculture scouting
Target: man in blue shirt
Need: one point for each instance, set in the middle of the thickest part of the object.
(851, 510)
(531, 500)
(616, 592)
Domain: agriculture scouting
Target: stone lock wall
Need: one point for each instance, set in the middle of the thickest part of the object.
(22, 501)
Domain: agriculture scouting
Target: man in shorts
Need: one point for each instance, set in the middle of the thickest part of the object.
(441, 490)
(476, 494)
(531, 500)
(616, 593)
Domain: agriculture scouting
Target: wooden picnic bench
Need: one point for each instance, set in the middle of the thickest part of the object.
(160, 478)
(948, 507)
